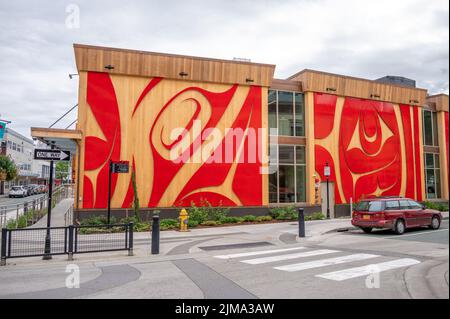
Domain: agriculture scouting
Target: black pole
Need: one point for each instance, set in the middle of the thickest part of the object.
(3, 248)
(155, 234)
(47, 250)
(301, 222)
(109, 191)
(328, 201)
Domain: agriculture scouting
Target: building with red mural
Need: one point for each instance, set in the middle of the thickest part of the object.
(198, 129)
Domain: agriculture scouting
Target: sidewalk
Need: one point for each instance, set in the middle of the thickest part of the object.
(57, 215)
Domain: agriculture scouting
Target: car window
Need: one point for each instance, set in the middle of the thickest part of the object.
(414, 205)
(404, 204)
(16, 188)
(392, 205)
(370, 206)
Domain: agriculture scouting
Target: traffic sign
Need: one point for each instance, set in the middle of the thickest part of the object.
(51, 155)
(327, 171)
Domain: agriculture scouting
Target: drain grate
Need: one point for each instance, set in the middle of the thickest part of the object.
(236, 246)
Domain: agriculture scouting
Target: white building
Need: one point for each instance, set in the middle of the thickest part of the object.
(21, 150)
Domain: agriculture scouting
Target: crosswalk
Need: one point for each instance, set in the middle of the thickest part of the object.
(322, 259)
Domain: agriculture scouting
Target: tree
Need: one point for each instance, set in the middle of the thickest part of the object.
(8, 169)
(62, 170)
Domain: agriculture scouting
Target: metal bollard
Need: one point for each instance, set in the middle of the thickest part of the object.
(3, 247)
(155, 233)
(301, 222)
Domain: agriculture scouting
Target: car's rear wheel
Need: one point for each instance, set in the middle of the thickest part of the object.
(367, 230)
(435, 223)
(399, 227)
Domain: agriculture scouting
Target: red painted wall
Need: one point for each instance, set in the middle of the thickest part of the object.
(247, 179)
(369, 136)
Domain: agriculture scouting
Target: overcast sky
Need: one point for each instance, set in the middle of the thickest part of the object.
(360, 38)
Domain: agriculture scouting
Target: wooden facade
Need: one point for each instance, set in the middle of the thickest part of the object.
(130, 101)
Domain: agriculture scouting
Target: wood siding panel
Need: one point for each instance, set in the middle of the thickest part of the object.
(150, 64)
(314, 81)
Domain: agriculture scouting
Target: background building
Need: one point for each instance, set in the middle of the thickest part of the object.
(380, 137)
(21, 150)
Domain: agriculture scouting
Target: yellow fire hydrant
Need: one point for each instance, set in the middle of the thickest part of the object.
(183, 219)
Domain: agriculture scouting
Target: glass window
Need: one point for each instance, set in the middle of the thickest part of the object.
(404, 204)
(370, 206)
(300, 155)
(432, 176)
(301, 183)
(286, 182)
(435, 130)
(272, 111)
(392, 205)
(429, 160)
(286, 154)
(286, 113)
(299, 114)
(428, 128)
(414, 205)
(273, 196)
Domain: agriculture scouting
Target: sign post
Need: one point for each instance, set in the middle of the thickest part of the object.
(50, 155)
(327, 173)
(115, 167)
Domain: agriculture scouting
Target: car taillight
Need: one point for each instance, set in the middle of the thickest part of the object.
(380, 215)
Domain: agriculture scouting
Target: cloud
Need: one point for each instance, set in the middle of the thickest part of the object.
(367, 39)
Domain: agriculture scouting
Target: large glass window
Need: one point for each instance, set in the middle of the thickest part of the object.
(287, 177)
(273, 110)
(432, 176)
(287, 113)
(430, 131)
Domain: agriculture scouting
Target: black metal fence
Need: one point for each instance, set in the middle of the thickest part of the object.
(73, 239)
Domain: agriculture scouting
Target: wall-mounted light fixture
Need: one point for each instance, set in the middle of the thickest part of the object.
(182, 73)
(109, 67)
(71, 75)
(414, 101)
(376, 96)
(248, 80)
(331, 90)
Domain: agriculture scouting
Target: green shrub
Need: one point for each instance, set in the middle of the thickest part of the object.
(211, 223)
(263, 219)
(231, 220)
(192, 223)
(437, 206)
(249, 218)
(97, 220)
(166, 224)
(197, 214)
(317, 216)
(283, 213)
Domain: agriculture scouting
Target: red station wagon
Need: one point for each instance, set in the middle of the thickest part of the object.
(394, 213)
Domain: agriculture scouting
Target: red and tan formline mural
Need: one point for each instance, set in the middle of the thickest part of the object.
(134, 118)
(373, 148)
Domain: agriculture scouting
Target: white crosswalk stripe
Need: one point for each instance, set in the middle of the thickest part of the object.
(368, 269)
(325, 262)
(278, 255)
(256, 253)
(264, 260)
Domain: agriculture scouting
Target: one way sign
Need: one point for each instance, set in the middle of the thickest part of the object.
(51, 155)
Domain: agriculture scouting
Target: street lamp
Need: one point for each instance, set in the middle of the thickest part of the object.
(327, 173)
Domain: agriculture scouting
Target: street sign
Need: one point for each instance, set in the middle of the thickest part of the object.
(120, 167)
(51, 155)
(327, 171)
